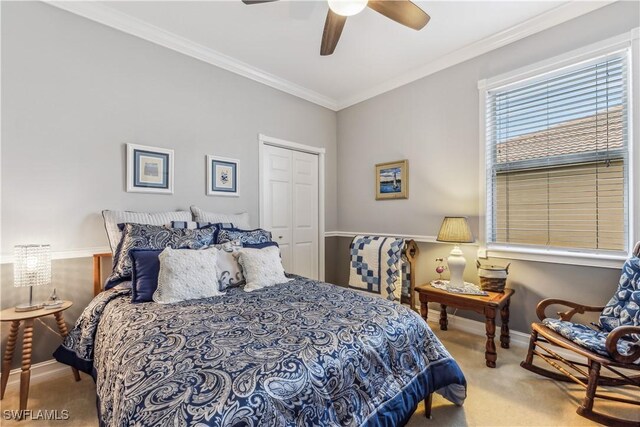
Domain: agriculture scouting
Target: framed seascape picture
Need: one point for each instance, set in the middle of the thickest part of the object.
(222, 176)
(149, 169)
(392, 180)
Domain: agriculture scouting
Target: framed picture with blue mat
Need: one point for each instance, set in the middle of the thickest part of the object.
(222, 176)
(392, 180)
(149, 169)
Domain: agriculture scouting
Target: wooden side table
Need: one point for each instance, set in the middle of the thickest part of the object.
(487, 305)
(10, 315)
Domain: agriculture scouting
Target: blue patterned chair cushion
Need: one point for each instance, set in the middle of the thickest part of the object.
(624, 307)
(586, 337)
(144, 236)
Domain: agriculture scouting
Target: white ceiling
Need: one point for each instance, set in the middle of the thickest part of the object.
(282, 39)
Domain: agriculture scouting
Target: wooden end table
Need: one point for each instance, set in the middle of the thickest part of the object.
(487, 305)
(10, 315)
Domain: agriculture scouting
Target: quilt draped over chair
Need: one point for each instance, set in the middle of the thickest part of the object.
(376, 266)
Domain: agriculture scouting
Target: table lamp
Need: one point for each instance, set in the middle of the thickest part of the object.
(455, 229)
(31, 267)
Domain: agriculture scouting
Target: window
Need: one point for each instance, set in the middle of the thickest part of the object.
(557, 158)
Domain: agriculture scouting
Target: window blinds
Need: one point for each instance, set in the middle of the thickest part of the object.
(557, 158)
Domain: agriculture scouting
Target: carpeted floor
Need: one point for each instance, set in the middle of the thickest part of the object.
(505, 396)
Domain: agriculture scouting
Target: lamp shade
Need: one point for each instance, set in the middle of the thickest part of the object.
(455, 229)
(32, 265)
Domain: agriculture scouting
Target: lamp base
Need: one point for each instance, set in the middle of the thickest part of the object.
(28, 307)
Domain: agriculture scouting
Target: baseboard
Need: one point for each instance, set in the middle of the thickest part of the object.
(43, 371)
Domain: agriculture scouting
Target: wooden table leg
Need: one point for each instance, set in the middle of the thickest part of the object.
(443, 317)
(428, 402)
(490, 354)
(504, 328)
(62, 326)
(8, 355)
(424, 309)
(25, 375)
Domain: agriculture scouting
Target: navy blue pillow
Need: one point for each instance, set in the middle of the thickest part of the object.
(144, 274)
(260, 245)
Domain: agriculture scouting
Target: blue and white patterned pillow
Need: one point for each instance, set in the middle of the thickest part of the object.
(229, 271)
(145, 236)
(251, 237)
(624, 307)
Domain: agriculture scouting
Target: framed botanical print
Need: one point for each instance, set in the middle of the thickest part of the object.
(392, 180)
(222, 176)
(149, 169)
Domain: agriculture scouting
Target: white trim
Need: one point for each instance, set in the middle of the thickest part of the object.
(320, 152)
(110, 17)
(66, 254)
(423, 239)
(210, 191)
(40, 372)
(560, 14)
(558, 256)
(555, 64)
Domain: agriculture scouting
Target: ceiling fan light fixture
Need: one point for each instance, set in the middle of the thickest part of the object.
(347, 7)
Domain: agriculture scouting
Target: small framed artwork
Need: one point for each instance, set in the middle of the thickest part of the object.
(392, 180)
(149, 169)
(222, 176)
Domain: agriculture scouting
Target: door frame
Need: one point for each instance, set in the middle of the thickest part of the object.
(318, 151)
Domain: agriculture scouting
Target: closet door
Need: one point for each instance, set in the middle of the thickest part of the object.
(305, 214)
(290, 211)
(277, 199)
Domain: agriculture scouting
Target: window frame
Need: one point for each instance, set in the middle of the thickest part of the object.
(628, 42)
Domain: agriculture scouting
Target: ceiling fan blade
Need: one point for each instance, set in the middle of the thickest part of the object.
(257, 1)
(402, 11)
(332, 29)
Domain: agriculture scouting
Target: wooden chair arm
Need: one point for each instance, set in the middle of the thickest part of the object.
(612, 344)
(564, 315)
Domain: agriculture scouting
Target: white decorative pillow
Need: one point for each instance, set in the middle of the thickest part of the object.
(261, 267)
(186, 274)
(240, 220)
(113, 218)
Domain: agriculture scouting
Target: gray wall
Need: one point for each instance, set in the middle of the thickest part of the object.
(74, 92)
(434, 122)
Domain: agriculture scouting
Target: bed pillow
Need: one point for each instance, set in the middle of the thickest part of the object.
(261, 267)
(145, 266)
(186, 275)
(144, 236)
(240, 220)
(113, 218)
(246, 237)
(261, 245)
(192, 225)
(229, 270)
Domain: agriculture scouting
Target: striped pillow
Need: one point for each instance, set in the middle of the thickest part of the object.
(193, 225)
(241, 220)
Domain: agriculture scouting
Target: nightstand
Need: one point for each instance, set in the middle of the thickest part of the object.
(488, 305)
(10, 315)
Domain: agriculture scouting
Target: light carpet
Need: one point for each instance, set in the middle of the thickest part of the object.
(505, 396)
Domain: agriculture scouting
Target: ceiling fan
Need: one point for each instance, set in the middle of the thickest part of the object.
(401, 11)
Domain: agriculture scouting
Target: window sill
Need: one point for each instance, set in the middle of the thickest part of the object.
(557, 256)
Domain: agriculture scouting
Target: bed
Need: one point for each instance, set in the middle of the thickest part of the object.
(301, 353)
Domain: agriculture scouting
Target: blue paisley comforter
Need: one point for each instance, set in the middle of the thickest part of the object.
(303, 353)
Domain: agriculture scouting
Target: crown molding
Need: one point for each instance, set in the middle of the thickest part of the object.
(110, 17)
(527, 28)
(120, 21)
